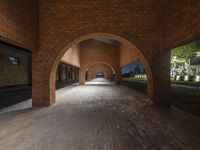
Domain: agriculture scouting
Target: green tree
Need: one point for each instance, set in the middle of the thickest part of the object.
(186, 51)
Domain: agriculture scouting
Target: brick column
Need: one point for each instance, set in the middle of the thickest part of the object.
(41, 95)
(118, 75)
(110, 75)
(105, 74)
(161, 79)
(89, 75)
(81, 76)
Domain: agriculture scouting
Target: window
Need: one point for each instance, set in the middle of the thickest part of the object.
(14, 60)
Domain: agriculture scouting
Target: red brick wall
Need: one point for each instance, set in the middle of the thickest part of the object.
(72, 56)
(128, 55)
(135, 19)
(19, 23)
(151, 25)
(92, 75)
(181, 22)
(93, 51)
(65, 22)
(98, 68)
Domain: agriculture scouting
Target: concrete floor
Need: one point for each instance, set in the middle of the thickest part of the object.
(103, 117)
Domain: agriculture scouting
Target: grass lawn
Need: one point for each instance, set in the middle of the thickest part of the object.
(195, 84)
(185, 98)
(139, 85)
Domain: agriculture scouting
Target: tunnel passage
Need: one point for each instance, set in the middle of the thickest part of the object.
(152, 26)
(100, 74)
(94, 48)
(99, 67)
(141, 30)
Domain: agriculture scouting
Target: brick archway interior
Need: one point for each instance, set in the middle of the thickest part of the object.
(92, 69)
(95, 72)
(116, 60)
(108, 72)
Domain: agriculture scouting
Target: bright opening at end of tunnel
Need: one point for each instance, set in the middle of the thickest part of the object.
(100, 81)
(100, 75)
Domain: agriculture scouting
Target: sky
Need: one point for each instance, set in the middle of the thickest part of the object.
(128, 68)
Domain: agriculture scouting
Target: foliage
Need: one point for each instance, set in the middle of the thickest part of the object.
(186, 51)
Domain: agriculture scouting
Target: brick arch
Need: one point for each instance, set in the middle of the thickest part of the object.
(100, 66)
(89, 66)
(105, 73)
(92, 73)
(67, 39)
(43, 93)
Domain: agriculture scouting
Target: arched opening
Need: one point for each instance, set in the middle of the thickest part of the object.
(100, 37)
(103, 67)
(185, 76)
(134, 76)
(99, 74)
(66, 75)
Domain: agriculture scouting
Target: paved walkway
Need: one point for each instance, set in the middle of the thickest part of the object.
(103, 117)
(100, 81)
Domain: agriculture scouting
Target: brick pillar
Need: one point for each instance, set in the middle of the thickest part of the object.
(118, 75)
(161, 79)
(42, 87)
(110, 75)
(89, 75)
(105, 74)
(81, 76)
